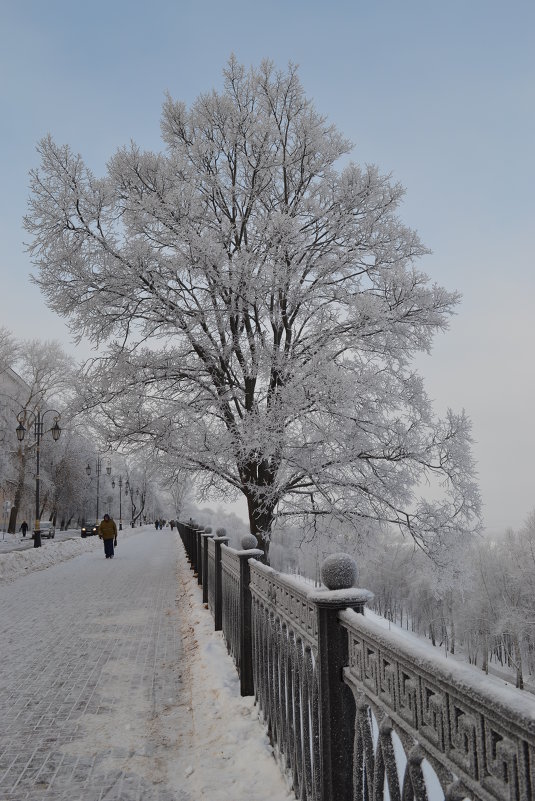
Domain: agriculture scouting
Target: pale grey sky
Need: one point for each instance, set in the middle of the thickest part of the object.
(440, 94)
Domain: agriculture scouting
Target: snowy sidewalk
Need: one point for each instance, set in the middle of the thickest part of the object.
(114, 686)
(228, 756)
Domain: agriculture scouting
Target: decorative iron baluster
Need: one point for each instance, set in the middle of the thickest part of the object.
(285, 637)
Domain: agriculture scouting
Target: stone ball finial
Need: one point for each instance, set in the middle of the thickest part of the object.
(249, 541)
(208, 529)
(339, 571)
(221, 532)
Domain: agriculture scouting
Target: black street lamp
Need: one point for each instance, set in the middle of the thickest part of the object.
(37, 421)
(99, 470)
(120, 501)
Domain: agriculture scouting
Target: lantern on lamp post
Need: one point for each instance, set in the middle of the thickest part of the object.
(98, 472)
(36, 420)
(120, 482)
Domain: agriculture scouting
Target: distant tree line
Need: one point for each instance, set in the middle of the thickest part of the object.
(40, 375)
(476, 601)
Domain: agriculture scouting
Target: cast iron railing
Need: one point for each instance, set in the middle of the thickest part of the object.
(357, 712)
(230, 566)
(416, 707)
(285, 655)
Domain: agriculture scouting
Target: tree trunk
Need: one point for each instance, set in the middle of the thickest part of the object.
(517, 655)
(260, 523)
(432, 634)
(12, 525)
(43, 506)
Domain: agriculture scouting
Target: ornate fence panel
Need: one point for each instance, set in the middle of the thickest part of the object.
(417, 709)
(285, 648)
(231, 619)
(357, 712)
(188, 538)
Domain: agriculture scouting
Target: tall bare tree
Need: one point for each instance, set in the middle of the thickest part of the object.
(262, 308)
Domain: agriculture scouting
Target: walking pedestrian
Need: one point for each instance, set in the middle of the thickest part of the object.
(107, 531)
(23, 528)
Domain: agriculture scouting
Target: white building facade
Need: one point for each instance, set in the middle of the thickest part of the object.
(14, 393)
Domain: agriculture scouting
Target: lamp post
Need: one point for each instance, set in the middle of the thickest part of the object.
(99, 470)
(37, 421)
(127, 492)
(120, 500)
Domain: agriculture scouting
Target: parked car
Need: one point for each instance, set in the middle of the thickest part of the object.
(89, 529)
(47, 529)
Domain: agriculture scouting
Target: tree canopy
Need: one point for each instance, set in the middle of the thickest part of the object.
(261, 306)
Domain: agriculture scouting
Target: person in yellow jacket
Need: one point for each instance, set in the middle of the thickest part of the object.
(107, 531)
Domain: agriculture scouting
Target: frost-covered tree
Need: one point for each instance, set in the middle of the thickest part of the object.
(48, 373)
(180, 492)
(506, 583)
(9, 400)
(262, 307)
(137, 487)
(69, 486)
(9, 349)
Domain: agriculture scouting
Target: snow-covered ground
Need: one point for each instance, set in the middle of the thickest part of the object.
(16, 542)
(18, 556)
(230, 756)
(210, 744)
(217, 747)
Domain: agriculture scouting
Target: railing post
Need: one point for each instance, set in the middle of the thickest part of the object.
(219, 540)
(249, 543)
(336, 701)
(191, 549)
(198, 549)
(205, 535)
(185, 539)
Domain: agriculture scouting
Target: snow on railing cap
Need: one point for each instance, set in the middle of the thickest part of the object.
(248, 542)
(339, 571)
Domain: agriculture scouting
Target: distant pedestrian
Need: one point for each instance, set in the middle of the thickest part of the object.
(157, 524)
(172, 524)
(24, 528)
(107, 531)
